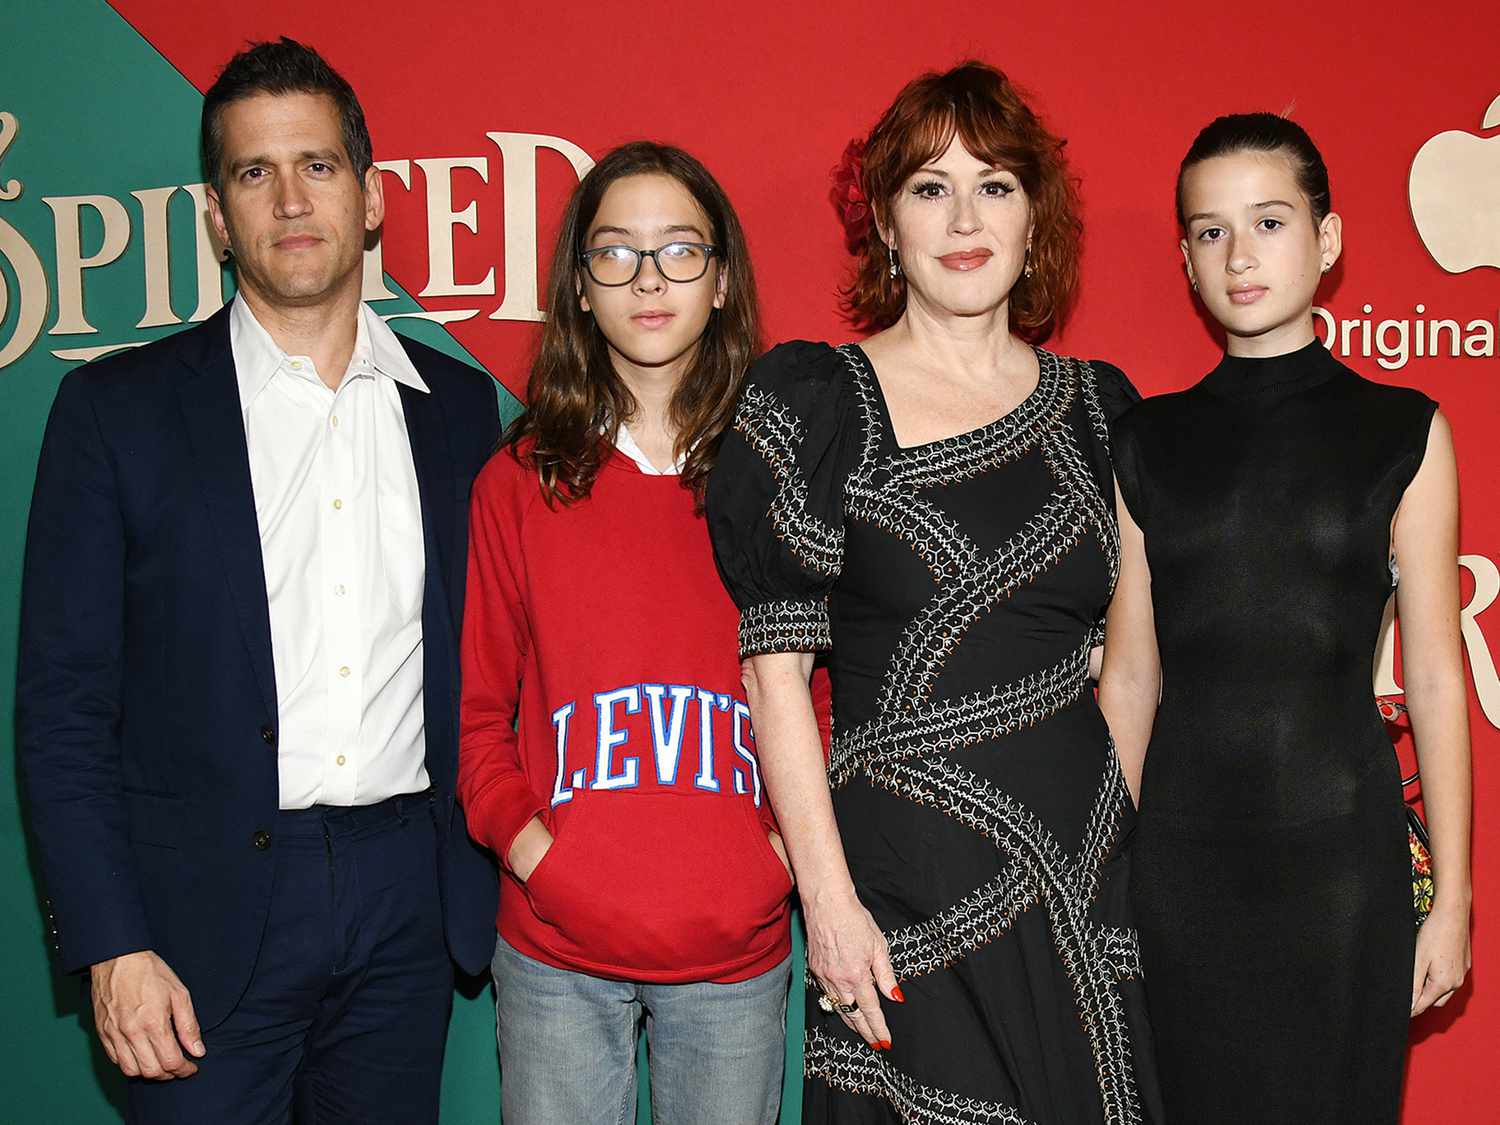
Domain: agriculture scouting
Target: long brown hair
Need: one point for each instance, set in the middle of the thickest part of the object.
(982, 108)
(575, 400)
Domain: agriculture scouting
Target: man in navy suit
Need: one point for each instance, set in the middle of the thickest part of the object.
(238, 688)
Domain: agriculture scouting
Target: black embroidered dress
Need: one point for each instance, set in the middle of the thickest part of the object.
(957, 587)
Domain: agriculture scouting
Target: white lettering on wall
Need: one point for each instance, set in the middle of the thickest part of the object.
(1394, 342)
(73, 215)
(518, 153)
(67, 214)
(373, 286)
(442, 218)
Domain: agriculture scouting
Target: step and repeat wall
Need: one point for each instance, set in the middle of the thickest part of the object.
(484, 116)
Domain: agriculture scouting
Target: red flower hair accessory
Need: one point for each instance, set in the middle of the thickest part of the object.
(848, 195)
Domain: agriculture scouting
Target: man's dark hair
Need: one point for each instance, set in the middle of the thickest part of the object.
(285, 67)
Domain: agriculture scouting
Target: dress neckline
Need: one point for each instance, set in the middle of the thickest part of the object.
(1021, 411)
(1308, 366)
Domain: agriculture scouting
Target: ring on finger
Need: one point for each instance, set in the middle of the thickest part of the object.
(830, 1002)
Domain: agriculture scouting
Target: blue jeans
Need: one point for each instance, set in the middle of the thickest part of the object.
(568, 1045)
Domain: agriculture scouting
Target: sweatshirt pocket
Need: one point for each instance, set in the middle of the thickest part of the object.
(536, 883)
(760, 833)
(661, 884)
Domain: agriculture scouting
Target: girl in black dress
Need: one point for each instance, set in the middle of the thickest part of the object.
(933, 508)
(1267, 512)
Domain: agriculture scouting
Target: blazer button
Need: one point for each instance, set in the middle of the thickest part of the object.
(261, 840)
(268, 736)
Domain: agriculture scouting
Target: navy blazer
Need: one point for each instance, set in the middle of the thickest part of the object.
(146, 703)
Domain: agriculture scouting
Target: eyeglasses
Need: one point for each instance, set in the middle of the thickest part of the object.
(620, 265)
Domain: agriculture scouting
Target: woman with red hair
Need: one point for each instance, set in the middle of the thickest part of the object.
(933, 509)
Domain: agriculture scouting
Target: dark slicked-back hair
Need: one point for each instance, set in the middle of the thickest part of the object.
(283, 67)
(1263, 132)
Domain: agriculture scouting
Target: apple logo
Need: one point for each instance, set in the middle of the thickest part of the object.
(1454, 189)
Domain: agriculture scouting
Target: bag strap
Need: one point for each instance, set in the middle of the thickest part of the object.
(1392, 711)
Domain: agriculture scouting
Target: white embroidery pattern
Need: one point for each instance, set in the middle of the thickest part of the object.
(883, 490)
(785, 626)
(913, 746)
(1095, 957)
(773, 432)
(947, 725)
(856, 1067)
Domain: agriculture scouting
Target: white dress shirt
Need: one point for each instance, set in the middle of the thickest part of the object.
(341, 538)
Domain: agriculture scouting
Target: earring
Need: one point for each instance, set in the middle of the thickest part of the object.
(895, 269)
(1026, 269)
(1193, 281)
(1327, 266)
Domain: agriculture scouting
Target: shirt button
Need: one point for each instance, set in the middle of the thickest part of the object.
(268, 736)
(339, 590)
(337, 504)
(334, 421)
(261, 840)
(296, 365)
(344, 671)
(339, 759)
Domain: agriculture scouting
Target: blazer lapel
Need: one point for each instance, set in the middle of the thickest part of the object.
(428, 433)
(429, 455)
(210, 400)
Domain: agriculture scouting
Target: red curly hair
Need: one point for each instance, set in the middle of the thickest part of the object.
(979, 105)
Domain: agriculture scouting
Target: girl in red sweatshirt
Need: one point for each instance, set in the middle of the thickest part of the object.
(607, 756)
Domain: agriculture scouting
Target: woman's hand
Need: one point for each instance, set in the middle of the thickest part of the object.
(847, 954)
(528, 849)
(1443, 958)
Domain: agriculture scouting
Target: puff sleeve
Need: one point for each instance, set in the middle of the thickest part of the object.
(1107, 394)
(1117, 393)
(1125, 455)
(775, 501)
(1110, 395)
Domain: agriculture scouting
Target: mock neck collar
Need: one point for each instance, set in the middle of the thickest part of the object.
(1306, 367)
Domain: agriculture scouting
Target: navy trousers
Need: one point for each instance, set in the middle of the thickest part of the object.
(346, 1013)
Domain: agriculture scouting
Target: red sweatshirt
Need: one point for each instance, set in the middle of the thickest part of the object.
(602, 631)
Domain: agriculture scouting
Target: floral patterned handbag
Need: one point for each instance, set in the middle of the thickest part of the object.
(1393, 711)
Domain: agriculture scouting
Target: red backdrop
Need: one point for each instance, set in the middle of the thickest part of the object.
(768, 95)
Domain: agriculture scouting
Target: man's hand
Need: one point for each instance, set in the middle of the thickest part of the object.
(142, 1012)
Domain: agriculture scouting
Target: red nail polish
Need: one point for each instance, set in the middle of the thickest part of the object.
(897, 996)
(883, 1045)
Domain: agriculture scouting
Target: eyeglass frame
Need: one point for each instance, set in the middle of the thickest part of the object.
(586, 260)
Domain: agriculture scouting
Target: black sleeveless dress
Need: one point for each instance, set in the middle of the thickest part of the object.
(1272, 879)
(957, 587)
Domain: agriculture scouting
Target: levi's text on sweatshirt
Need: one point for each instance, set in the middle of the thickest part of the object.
(601, 692)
